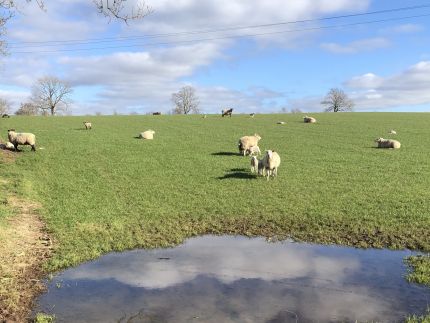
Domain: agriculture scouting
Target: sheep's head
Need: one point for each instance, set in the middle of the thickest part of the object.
(269, 153)
(379, 140)
(10, 130)
(257, 136)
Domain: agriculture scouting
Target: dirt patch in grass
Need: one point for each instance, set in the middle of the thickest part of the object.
(7, 156)
(24, 247)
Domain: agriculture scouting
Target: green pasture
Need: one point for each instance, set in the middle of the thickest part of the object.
(105, 190)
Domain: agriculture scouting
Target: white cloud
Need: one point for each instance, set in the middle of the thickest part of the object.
(403, 29)
(410, 87)
(357, 46)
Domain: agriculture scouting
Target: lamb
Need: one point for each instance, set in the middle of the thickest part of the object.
(387, 143)
(21, 138)
(393, 132)
(254, 150)
(271, 162)
(246, 142)
(148, 134)
(9, 145)
(87, 125)
(257, 166)
(254, 164)
(307, 119)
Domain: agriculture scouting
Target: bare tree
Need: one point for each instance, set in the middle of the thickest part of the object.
(117, 9)
(185, 101)
(4, 106)
(51, 94)
(336, 100)
(296, 110)
(27, 109)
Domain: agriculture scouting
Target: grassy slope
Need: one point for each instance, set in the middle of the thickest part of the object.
(104, 190)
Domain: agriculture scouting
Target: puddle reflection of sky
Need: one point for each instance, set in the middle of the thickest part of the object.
(236, 279)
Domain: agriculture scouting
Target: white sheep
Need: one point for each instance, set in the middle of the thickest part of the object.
(254, 150)
(246, 142)
(393, 132)
(257, 166)
(387, 143)
(87, 125)
(271, 162)
(21, 138)
(254, 164)
(148, 134)
(9, 145)
(280, 122)
(307, 119)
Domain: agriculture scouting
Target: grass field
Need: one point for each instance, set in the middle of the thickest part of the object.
(104, 190)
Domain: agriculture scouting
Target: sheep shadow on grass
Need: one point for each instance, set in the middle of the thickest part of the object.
(226, 153)
(238, 173)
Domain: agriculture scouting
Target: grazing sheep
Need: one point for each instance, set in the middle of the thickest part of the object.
(252, 115)
(280, 122)
(156, 113)
(5, 115)
(254, 150)
(307, 119)
(148, 134)
(387, 143)
(393, 132)
(227, 112)
(246, 142)
(21, 138)
(87, 125)
(271, 162)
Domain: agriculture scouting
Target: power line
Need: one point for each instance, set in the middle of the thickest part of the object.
(194, 32)
(225, 37)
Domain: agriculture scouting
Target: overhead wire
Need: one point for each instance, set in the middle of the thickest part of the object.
(224, 37)
(194, 32)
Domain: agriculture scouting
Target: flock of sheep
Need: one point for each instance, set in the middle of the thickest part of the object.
(248, 145)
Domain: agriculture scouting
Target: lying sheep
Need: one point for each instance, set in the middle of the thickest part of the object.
(9, 145)
(280, 122)
(393, 132)
(271, 162)
(148, 134)
(387, 143)
(21, 138)
(307, 119)
(254, 150)
(87, 125)
(246, 142)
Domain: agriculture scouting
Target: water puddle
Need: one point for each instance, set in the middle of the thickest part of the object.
(237, 279)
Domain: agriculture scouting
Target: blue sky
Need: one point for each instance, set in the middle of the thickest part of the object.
(383, 66)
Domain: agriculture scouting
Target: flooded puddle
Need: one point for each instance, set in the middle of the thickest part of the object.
(237, 279)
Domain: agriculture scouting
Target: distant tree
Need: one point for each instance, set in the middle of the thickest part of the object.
(336, 100)
(185, 101)
(296, 110)
(4, 106)
(27, 109)
(50, 94)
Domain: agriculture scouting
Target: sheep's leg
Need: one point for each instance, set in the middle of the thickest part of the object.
(33, 147)
(16, 147)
